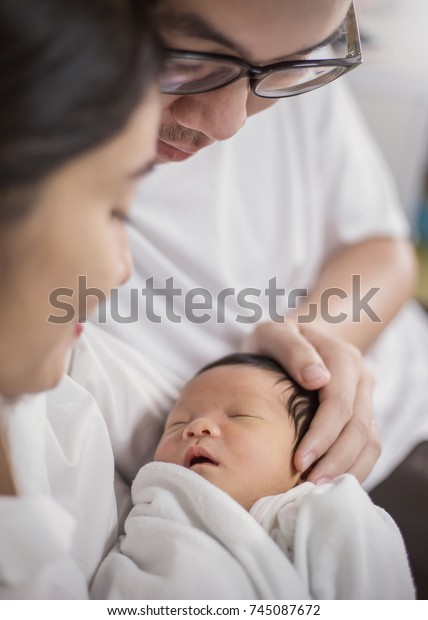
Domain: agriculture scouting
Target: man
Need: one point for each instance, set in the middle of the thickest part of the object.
(298, 199)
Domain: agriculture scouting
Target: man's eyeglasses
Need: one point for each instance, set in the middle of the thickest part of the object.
(190, 73)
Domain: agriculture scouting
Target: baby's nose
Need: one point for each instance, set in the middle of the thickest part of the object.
(201, 427)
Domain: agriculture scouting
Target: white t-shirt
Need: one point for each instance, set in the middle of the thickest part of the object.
(297, 183)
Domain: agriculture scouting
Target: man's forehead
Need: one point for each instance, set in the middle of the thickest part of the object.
(254, 29)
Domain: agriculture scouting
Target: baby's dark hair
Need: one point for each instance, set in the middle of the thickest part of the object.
(302, 404)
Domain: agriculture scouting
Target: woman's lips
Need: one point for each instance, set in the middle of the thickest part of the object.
(167, 152)
(78, 329)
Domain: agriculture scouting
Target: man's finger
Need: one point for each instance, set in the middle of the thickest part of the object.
(367, 459)
(335, 410)
(285, 343)
(342, 456)
(357, 435)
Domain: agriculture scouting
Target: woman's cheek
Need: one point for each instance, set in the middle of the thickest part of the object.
(111, 262)
(126, 266)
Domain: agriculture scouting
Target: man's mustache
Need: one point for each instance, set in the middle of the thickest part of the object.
(181, 135)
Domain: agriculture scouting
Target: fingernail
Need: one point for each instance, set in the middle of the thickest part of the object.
(307, 460)
(314, 372)
(322, 480)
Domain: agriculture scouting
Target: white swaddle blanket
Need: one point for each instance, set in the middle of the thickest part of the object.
(186, 539)
(343, 545)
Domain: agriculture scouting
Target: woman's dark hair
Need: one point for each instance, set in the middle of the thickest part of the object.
(71, 74)
(301, 405)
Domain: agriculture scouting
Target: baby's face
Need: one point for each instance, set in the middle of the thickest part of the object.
(231, 426)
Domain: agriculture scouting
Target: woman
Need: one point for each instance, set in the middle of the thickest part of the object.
(77, 129)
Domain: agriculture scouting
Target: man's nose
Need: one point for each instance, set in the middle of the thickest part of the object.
(218, 114)
(201, 427)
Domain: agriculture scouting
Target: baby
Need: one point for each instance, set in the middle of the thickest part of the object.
(238, 424)
(223, 514)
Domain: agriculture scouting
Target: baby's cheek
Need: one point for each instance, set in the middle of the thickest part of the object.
(165, 451)
(158, 456)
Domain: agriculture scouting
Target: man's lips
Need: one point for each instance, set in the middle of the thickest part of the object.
(167, 152)
(197, 455)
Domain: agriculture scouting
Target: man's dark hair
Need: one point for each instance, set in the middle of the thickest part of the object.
(302, 404)
(71, 74)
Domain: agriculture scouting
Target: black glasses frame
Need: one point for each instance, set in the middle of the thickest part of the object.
(256, 74)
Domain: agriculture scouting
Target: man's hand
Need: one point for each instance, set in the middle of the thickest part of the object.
(343, 437)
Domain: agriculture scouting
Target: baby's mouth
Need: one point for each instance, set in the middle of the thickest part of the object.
(196, 455)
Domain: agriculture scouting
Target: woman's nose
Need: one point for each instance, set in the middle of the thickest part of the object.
(201, 427)
(218, 114)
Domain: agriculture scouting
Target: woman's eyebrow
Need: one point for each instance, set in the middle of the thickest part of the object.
(194, 25)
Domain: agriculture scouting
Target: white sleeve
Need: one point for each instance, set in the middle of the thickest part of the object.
(62, 521)
(345, 547)
(35, 541)
(359, 194)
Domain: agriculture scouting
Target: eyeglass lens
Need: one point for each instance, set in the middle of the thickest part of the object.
(187, 74)
(295, 81)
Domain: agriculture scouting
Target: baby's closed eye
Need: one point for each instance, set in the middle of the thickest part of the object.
(175, 424)
(243, 416)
